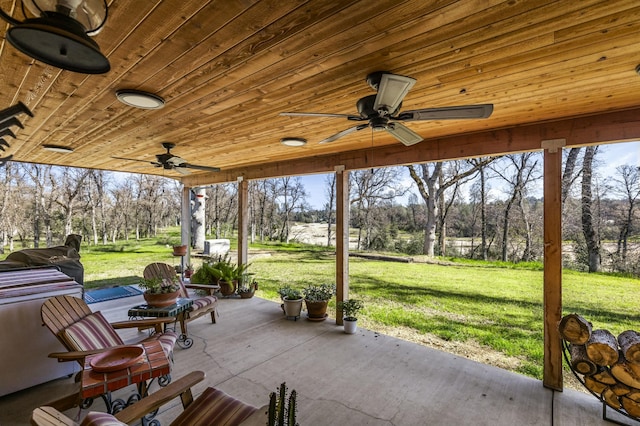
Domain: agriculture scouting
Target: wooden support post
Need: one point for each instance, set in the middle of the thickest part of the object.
(552, 371)
(243, 221)
(342, 238)
(185, 222)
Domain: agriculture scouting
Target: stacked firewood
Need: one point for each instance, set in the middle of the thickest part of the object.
(610, 366)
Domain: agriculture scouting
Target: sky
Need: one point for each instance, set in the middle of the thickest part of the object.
(610, 156)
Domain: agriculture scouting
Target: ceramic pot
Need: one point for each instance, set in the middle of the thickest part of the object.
(161, 300)
(292, 308)
(317, 310)
(350, 326)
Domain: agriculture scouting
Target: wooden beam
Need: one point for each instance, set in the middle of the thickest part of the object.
(609, 127)
(342, 238)
(243, 222)
(552, 370)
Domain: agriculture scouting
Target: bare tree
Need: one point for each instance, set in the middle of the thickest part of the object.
(292, 194)
(626, 185)
(369, 187)
(430, 186)
(591, 237)
(524, 169)
(330, 181)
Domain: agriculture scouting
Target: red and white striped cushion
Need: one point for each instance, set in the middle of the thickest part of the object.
(94, 418)
(214, 407)
(202, 302)
(92, 332)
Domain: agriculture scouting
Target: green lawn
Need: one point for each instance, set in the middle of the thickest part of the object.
(494, 305)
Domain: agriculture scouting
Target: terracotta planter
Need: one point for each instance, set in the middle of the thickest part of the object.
(247, 294)
(160, 300)
(317, 311)
(179, 250)
(227, 288)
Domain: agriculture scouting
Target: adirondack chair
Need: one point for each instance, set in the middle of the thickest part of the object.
(212, 407)
(202, 305)
(84, 332)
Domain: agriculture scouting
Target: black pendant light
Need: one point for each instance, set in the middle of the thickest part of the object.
(59, 35)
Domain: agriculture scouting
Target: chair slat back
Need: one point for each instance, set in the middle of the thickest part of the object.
(59, 312)
(164, 271)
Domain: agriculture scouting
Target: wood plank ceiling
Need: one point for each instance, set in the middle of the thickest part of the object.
(228, 68)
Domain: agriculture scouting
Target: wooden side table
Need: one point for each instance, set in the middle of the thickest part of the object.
(154, 363)
(177, 310)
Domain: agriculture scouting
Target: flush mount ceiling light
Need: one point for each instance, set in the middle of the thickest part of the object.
(57, 32)
(139, 99)
(58, 148)
(293, 141)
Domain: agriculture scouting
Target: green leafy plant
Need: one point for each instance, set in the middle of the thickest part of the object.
(350, 308)
(247, 284)
(282, 410)
(205, 274)
(159, 285)
(319, 292)
(289, 293)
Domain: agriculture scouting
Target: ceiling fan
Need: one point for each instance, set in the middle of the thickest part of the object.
(169, 161)
(382, 111)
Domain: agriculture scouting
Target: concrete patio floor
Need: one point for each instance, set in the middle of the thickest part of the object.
(362, 379)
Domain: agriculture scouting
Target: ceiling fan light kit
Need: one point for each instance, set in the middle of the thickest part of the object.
(381, 111)
(294, 142)
(140, 99)
(59, 34)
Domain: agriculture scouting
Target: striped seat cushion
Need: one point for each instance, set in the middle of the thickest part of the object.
(92, 332)
(214, 407)
(167, 340)
(94, 418)
(203, 302)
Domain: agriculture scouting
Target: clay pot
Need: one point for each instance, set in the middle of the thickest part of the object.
(317, 310)
(227, 288)
(179, 250)
(161, 300)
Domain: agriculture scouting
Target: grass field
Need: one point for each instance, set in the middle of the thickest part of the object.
(494, 308)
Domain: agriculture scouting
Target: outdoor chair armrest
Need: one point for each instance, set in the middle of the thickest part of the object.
(76, 355)
(49, 416)
(181, 387)
(206, 287)
(156, 323)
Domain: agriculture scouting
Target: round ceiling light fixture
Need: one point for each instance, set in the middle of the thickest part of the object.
(58, 148)
(57, 32)
(140, 99)
(292, 141)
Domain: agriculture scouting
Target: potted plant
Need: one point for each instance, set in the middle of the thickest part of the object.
(179, 249)
(350, 308)
(160, 292)
(205, 274)
(316, 297)
(188, 270)
(291, 301)
(247, 286)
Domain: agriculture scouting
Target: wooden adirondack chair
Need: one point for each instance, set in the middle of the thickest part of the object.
(202, 305)
(84, 332)
(212, 407)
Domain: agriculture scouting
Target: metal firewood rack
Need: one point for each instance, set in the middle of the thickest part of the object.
(605, 406)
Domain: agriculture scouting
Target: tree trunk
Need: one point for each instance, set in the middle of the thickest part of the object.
(588, 226)
(198, 218)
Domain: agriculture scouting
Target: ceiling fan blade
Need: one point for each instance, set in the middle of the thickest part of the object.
(181, 170)
(391, 91)
(448, 113)
(196, 167)
(404, 134)
(344, 133)
(321, 114)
